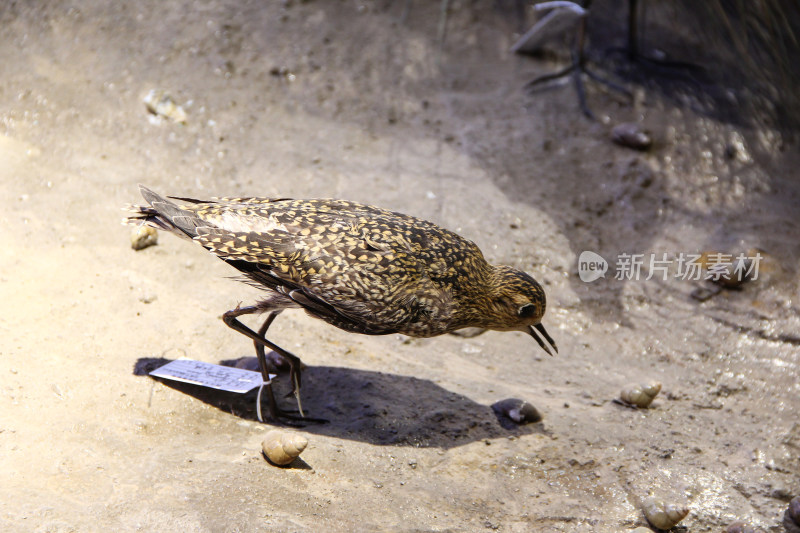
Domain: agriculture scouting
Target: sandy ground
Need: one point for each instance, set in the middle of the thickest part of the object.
(358, 100)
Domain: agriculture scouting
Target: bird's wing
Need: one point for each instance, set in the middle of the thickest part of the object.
(345, 269)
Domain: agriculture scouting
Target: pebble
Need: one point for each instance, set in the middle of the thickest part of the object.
(143, 236)
(148, 298)
(631, 135)
(161, 105)
(791, 517)
(519, 411)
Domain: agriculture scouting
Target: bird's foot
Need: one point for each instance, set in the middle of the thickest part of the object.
(577, 70)
(291, 419)
(279, 416)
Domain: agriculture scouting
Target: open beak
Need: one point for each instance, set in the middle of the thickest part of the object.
(532, 330)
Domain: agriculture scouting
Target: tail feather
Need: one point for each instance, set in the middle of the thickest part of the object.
(163, 214)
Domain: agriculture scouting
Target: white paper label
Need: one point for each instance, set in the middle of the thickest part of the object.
(210, 375)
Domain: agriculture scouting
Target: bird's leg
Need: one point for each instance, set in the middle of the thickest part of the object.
(677, 69)
(633, 44)
(579, 61)
(531, 85)
(577, 68)
(262, 364)
(231, 320)
(295, 365)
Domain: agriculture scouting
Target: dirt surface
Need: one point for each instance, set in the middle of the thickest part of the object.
(362, 100)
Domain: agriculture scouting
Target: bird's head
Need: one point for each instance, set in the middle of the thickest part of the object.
(518, 304)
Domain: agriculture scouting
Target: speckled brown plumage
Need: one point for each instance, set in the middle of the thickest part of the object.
(358, 267)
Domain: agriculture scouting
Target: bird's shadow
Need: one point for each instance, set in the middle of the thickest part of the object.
(373, 407)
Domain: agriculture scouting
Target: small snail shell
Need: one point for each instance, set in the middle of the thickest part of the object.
(737, 274)
(663, 515)
(519, 411)
(281, 447)
(143, 236)
(640, 395)
(791, 518)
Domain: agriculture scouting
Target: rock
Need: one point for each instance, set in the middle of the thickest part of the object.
(631, 135)
(161, 105)
(791, 517)
(519, 411)
(143, 236)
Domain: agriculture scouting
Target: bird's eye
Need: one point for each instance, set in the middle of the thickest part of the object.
(527, 311)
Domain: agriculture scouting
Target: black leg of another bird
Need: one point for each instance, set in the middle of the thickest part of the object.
(531, 85)
(633, 33)
(579, 63)
(634, 56)
(581, 90)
